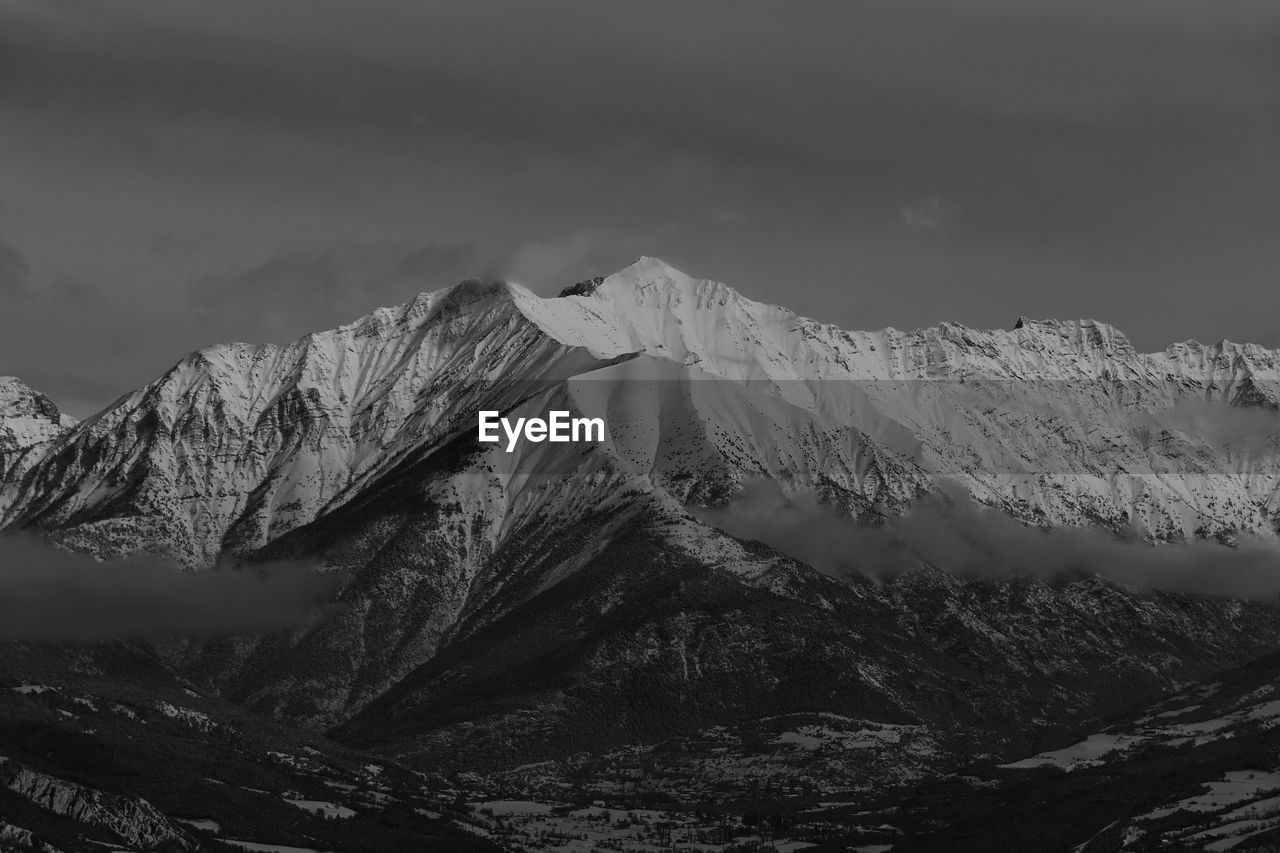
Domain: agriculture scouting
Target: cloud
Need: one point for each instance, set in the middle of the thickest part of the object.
(56, 595)
(727, 214)
(18, 283)
(74, 293)
(73, 393)
(966, 539)
(15, 274)
(575, 256)
(237, 135)
(1248, 431)
(46, 320)
(301, 291)
(928, 214)
(567, 259)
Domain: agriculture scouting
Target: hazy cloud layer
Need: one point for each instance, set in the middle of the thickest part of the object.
(73, 393)
(15, 275)
(50, 594)
(577, 256)
(966, 539)
(293, 293)
(928, 214)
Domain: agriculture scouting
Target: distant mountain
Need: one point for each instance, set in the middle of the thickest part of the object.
(561, 603)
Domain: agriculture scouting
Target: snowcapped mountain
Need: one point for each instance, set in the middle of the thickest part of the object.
(1058, 422)
(238, 444)
(1062, 422)
(502, 607)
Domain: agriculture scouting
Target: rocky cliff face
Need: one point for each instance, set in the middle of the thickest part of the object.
(132, 820)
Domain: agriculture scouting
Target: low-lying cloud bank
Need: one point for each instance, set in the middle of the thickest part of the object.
(49, 594)
(967, 539)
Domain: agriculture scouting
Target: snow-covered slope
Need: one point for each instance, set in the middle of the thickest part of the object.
(1057, 422)
(1060, 422)
(238, 444)
(29, 423)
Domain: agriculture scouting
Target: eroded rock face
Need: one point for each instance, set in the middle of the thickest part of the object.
(16, 836)
(131, 819)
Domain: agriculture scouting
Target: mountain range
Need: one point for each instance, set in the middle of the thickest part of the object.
(617, 618)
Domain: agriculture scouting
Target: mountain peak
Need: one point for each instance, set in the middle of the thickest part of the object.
(18, 399)
(586, 287)
(648, 262)
(29, 423)
(652, 271)
(645, 273)
(1091, 334)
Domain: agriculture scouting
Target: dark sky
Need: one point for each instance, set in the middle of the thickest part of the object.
(175, 173)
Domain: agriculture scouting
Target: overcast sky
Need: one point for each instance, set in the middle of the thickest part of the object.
(177, 173)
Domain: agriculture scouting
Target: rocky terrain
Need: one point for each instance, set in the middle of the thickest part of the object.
(1198, 770)
(572, 622)
(110, 751)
